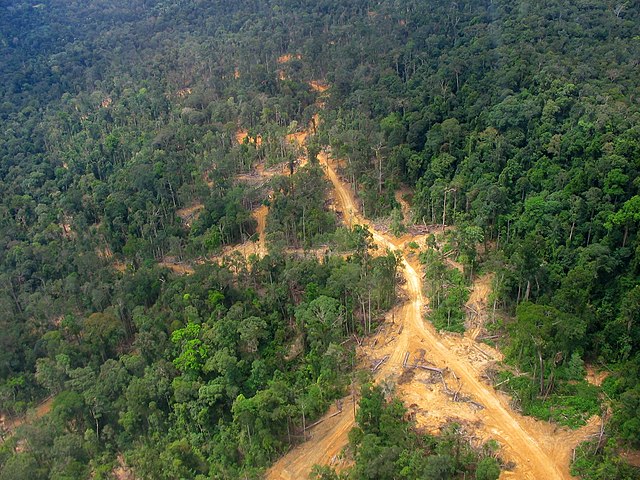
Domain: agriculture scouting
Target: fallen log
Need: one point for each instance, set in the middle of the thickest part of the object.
(431, 369)
(323, 419)
(489, 337)
(486, 355)
(469, 307)
(380, 362)
(479, 405)
(504, 381)
(406, 359)
(446, 387)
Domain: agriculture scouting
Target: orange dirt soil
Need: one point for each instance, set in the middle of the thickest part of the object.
(119, 266)
(9, 425)
(179, 268)
(404, 205)
(189, 214)
(287, 57)
(297, 138)
(122, 471)
(539, 450)
(632, 457)
(259, 175)
(260, 214)
(594, 376)
(318, 86)
(477, 305)
(242, 134)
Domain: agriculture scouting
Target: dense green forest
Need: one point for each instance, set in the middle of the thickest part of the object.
(517, 123)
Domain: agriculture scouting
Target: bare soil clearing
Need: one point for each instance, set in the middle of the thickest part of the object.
(122, 471)
(323, 446)
(476, 306)
(401, 196)
(287, 57)
(176, 266)
(260, 214)
(242, 134)
(595, 376)
(318, 86)
(9, 425)
(189, 214)
(298, 138)
(632, 457)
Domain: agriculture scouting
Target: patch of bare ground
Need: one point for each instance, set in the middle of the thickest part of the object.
(9, 425)
(119, 266)
(241, 135)
(476, 306)
(177, 266)
(318, 86)
(632, 457)
(190, 213)
(67, 229)
(183, 92)
(122, 471)
(287, 57)
(595, 376)
(326, 440)
(402, 197)
(297, 138)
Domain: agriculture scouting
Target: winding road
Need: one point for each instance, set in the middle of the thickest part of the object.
(529, 444)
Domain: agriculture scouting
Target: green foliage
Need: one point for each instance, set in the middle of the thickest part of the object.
(193, 352)
(628, 416)
(488, 469)
(397, 227)
(296, 213)
(571, 403)
(447, 291)
(593, 463)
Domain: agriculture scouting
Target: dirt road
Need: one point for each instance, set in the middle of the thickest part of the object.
(8, 426)
(524, 441)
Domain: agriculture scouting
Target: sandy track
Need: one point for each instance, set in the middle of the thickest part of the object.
(260, 214)
(539, 450)
(323, 446)
(8, 426)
